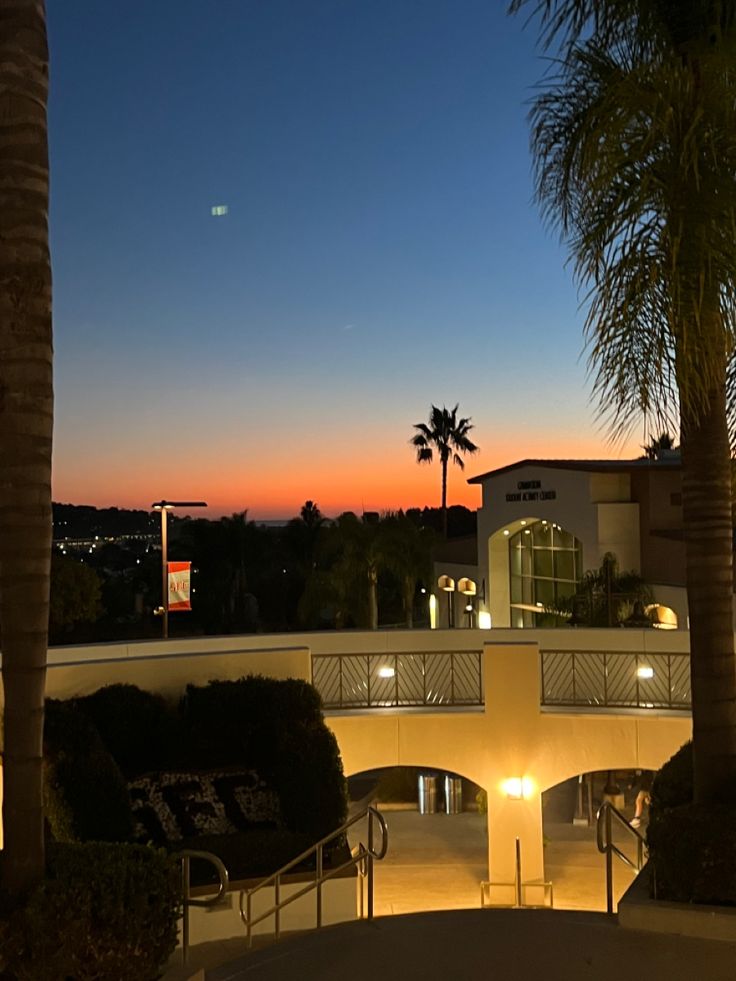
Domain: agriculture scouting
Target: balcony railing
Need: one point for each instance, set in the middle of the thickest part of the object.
(617, 679)
(359, 681)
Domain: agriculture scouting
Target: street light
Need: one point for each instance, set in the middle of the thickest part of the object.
(164, 507)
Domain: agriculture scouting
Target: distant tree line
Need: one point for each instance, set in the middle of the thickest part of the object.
(311, 573)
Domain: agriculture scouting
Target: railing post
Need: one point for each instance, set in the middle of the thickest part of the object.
(339, 661)
(481, 698)
(249, 914)
(574, 689)
(368, 676)
(369, 866)
(185, 908)
(424, 679)
(605, 678)
(609, 863)
(452, 678)
(517, 881)
(277, 903)
(318, 874)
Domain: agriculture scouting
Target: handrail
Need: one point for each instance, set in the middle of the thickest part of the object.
(362, 856)
(186, 855)
(607, 847)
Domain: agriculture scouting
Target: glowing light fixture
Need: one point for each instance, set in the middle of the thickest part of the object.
(518, 788)
(467, 587)
(645, 671)
(447, 583)
(484, 620)
(432, 612)
(506, 532)
(386, 671)
(523, 522)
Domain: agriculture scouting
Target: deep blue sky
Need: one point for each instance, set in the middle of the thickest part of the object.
(381, 251)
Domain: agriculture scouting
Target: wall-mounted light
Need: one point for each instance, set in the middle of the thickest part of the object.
(447, 584)
(518, 788)
(386, 671)
(467, 587)
(484, 620)
(645, 671)
(506, 531)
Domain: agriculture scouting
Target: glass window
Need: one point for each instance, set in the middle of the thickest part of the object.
(545, 564)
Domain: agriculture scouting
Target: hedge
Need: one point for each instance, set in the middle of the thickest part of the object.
(105, 912)
(274, 727)
(277, 728)
(137, 727)
(85, 794)
(692, 848)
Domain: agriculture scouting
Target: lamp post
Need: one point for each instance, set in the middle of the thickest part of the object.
(164, 507)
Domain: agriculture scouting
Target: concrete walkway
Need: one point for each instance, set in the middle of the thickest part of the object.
(437, 861)
(516, 945)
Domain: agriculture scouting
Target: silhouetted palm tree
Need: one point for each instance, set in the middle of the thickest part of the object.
(634, 136)
(406, 549)
(26, 422)
(448, 435)
(662, 442)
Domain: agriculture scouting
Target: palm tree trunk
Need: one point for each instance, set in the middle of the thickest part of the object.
(706, 499)
(373, 599)
(409, 587)
(26, 417)
(444, 498)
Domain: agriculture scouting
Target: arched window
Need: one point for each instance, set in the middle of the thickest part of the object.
(546, 564)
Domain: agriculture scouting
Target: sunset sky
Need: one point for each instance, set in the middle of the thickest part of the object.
(381, 252)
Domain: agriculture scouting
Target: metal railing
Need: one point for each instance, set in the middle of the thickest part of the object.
(186, 858)
(616, 679)
(355, 681)
(607, 813)
(518, 885)
(362, 857)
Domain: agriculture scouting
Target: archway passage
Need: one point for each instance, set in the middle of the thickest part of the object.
(571, 858)
(436, 860)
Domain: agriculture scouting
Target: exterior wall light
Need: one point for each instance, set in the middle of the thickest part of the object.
(432, 612)
(467, 587)
(386, 671)
(484, 620)
(447, 584)
(644, 671)
(506, 532)
(518, 788)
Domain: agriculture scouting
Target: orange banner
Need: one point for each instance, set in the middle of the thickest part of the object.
(180, 578)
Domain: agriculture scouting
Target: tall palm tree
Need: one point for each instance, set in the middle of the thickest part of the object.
(634, 136)
(655, 446)
(448, 435)
(26, 416)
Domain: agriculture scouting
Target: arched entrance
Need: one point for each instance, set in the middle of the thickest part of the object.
(533, 565)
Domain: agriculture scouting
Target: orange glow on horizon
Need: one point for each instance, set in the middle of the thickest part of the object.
(278, 486)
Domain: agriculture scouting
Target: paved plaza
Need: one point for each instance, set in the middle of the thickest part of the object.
(436, 862)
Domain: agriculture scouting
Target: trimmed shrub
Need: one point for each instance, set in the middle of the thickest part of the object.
(693, 853)
(85, 794)
(673, 784)
(692, 848)
(275, 727)
(104, 913)
(137, 727)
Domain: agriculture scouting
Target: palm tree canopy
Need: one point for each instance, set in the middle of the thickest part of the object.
(445, 433)
(634, 136)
